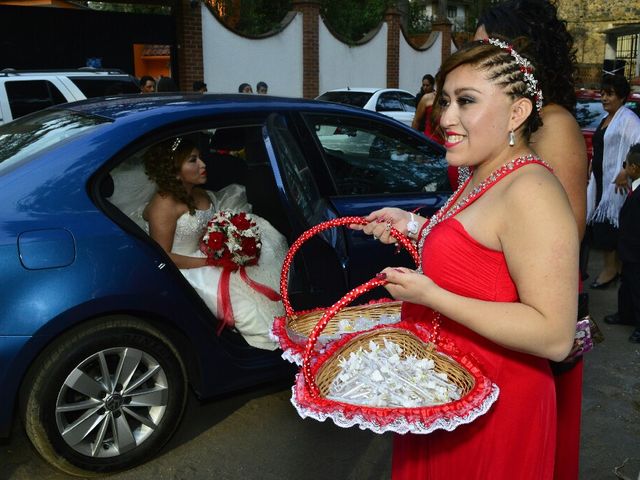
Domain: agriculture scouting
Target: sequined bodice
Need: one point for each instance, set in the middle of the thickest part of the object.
(189, 231)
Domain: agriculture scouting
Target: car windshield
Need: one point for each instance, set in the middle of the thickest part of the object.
(32, 134)
(356, 99)
(589, 113)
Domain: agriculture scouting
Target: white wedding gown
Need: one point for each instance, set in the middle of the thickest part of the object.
(253, 312)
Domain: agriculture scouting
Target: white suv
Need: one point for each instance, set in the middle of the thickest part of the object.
(393, 102)
(26, 91)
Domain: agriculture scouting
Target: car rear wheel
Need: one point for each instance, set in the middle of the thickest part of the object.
(104, 397)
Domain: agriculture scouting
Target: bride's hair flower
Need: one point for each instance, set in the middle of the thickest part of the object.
(231, 240)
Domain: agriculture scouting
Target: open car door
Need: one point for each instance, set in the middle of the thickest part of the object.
(320, 272)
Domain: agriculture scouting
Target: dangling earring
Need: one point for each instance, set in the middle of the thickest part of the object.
(512, 138)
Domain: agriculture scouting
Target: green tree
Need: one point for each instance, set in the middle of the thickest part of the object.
(129, 8)
(353, 19)
(255, 17)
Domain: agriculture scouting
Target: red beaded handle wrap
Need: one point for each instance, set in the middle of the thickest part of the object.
(337, 222)
(326, 318)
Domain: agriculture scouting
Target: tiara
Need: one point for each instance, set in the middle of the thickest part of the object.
(525, 68)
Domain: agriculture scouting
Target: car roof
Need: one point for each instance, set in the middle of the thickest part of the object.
(366, 90)
(196, 104)
(76, 72)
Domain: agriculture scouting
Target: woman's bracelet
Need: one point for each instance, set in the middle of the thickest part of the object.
(412, 226)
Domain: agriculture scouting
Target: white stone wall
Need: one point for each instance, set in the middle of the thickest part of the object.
(414, 64)
(231, 59)
(359, 66)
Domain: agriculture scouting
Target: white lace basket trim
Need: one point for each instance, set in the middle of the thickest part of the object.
(401, 425)
(289, 354)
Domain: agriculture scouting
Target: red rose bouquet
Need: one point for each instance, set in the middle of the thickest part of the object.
(231, 240)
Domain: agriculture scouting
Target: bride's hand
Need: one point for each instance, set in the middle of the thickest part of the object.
(381, 221)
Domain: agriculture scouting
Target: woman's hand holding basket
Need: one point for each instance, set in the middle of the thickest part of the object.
(380, 223)
(292, 330)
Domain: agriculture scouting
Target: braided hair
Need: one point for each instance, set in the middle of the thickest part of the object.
(162, 164)
(500, 68)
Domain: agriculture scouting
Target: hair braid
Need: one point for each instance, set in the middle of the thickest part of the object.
(501, 68)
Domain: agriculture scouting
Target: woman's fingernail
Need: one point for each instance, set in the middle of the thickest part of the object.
(398, 270)
(381, 276)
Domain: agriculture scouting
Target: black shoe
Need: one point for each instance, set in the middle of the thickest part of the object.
(635, 336)
(601, 285)
(614, 319)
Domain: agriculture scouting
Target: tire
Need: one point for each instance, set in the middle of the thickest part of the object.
(80, 391)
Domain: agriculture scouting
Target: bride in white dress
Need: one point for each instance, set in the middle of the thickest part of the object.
(177, 216)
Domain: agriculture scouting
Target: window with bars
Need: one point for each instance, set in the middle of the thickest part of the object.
(627, 50)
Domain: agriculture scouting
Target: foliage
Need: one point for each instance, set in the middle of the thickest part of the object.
(130, 8)
(353, 19)
(476, 9)
(252, 17)
(418, 20)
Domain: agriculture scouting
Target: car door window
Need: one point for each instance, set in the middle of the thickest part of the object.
(26, 96)
(101, 86)
(366, 157)
(389, 102)
(408, 101)
(301, 186)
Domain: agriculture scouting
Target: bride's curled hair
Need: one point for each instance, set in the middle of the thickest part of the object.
(163, 162)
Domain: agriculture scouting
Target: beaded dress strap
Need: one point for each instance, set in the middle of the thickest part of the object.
(453, 207)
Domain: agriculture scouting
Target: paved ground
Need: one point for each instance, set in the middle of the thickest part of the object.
(257, 435)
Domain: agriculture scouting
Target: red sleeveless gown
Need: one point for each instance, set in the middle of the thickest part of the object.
(516, 438)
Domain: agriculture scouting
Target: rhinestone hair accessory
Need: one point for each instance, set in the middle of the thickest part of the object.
(176, 144)
(525, 67)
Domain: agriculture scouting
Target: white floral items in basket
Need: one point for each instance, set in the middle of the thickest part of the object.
(379, 376)
(443, 408)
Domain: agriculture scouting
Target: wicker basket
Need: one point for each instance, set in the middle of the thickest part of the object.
(319, 369)
(293, 329)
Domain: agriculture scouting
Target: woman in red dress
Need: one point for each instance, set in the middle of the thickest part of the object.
(499, 264)
(560, 143)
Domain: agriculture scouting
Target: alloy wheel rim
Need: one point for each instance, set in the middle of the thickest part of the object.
(112, 402)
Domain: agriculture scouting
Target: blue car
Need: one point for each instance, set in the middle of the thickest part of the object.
(100, 333)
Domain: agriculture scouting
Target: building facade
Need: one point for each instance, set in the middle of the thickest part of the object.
(606, 35)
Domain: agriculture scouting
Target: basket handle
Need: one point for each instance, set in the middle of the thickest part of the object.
(402, 240)
(322, 323)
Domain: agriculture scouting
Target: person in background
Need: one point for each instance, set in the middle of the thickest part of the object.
(245, 88)
(200, 87)
(560, 143)
(423, 119)
(428, 82)
(147, 84)
(166, 84)
(421, 115)
(629, 251)
(609, 184)
(262, 88)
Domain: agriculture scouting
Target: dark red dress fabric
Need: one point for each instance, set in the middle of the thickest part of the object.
(517, 437)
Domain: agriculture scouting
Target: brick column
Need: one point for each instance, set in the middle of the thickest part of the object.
(189, 44)
(443, 26)
(392, 18)
(310, 10)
